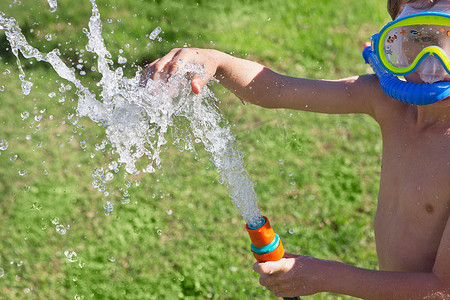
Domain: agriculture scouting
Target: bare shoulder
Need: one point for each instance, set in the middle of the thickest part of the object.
(384, 109)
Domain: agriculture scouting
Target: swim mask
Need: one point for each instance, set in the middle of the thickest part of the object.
(419, 41)
(414, 42)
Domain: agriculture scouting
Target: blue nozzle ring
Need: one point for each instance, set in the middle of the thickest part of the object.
(267, 248)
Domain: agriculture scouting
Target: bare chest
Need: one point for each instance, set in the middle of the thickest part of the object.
(414, 200)
(416, 170)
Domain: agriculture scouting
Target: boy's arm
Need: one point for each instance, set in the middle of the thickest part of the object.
(301, 275)
(253, 82)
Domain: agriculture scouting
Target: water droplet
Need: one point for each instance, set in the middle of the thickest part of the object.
(291, 231)
(3, 144)
(109, 20)
(71, 256)
(48, 37)
(2, 88)
(20, 263)
(55, 221)
(2, 272)
(159, 231)
(169, 212)
(61, 229)
(109, 207)
(113, 165)
(13, 157)
(22, 172)
(25, 115)
(96, 183)
(122, 60)
(26, 87)
(83, 144)
(155, 33)
(109, 176)
(112, 259)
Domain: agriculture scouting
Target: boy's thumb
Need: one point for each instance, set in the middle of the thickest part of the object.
(269, 267)
(197, 84)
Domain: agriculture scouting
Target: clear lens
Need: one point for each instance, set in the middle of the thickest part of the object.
(403, 44)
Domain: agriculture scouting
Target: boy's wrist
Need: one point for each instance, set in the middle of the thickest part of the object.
(336, 277)
(221, 63)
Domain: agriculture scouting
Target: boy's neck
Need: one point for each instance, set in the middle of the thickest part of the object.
(434, 116)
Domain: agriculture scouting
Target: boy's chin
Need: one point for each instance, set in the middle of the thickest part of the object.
(415, 78)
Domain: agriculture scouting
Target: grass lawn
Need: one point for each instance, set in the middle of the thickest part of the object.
(177, 235)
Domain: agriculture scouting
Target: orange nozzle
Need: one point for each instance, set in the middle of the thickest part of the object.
(266, 245)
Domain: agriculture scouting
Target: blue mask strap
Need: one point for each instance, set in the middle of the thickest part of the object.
(408, 92)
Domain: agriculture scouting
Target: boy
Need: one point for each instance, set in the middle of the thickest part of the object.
(412, 225)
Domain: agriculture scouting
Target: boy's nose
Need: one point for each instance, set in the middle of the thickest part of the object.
(431, 70)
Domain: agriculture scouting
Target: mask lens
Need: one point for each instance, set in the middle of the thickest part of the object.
(403, 44)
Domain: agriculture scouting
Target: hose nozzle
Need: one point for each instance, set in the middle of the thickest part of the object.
(266, 244)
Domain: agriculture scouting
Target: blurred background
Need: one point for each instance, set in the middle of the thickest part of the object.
(177, 235)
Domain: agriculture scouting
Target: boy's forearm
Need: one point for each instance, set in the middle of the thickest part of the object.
(255, 83)
(248, 80)
(371, 284)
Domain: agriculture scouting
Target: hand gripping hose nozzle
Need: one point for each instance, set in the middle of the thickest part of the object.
(266, 244)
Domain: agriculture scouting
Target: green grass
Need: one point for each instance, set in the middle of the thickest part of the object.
(180, 236)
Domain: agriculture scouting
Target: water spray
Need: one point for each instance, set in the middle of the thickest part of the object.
(266, 244)
(159, 106)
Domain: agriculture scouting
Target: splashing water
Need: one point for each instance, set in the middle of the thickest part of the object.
(53, 5)
(136, 118)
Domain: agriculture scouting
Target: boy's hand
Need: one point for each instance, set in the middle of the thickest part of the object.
(293, 275)
(166, 66)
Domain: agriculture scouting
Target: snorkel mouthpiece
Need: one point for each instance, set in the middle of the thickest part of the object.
(408, 92)
(266, 244)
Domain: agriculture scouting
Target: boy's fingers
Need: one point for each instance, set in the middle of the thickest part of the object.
(158, 67)
(174, 61)
(268, 282)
